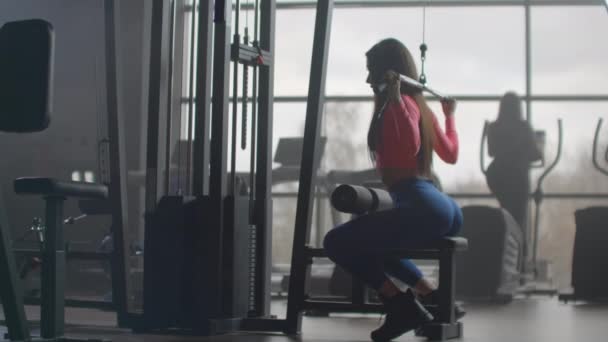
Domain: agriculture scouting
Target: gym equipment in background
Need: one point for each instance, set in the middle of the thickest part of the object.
(590, 255)
(537, 271)
(500, 242)
(207, 243)
(491, 268)
(26, 77)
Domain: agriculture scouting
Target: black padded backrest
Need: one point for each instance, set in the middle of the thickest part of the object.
(26, 75)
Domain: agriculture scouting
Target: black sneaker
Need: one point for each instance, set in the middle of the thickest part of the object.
(403, 313)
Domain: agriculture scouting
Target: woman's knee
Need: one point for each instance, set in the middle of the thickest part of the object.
(458, 220)
(332, 242)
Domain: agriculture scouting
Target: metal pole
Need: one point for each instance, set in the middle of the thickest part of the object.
(526, 228)
(118, 188)
(460, 98)
(203, 99)
(53, 271)
(174, 111)
(10, 291)
(156, 143)
(263, 163)
(235, 91)
(193, 31)
(437, 3)
(169, 96)
(528, 61)
(314, 111)
(219, 143)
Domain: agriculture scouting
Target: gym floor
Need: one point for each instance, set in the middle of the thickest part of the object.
(534, 319)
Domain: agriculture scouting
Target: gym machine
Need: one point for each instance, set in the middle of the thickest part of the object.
(207, 260)
(498, 239)
(589, 254)
(113, 177)
(361, 200)
(537, 271)
(26, 69)
(207, 246)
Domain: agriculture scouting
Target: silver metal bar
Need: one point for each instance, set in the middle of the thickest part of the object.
(412, 82)
(421, 86)
(481, 195)
(443, 3)
(528, 51)
(475, 98)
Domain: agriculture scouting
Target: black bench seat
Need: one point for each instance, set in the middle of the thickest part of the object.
(53, 187)
(456, 244)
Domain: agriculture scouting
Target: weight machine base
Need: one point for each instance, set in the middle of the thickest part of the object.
(59, 339)
(440, 331)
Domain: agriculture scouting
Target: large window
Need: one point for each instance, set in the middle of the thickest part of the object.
(293, 51)
(568, 52)
(470, 50)
(476, 53)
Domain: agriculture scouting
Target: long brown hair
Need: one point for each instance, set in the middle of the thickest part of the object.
(510, 108)
(391, 54)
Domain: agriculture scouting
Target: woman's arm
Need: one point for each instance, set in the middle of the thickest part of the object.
(446, 144)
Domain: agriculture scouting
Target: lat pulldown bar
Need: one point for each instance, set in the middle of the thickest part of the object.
(412, 82)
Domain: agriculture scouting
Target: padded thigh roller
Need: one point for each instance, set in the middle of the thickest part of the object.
(359, 200)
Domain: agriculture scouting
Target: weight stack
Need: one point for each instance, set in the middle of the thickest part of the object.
(590, 255)
(491, 267)
(186, 287)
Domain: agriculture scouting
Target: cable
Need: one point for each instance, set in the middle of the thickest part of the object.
(236, 39)
(169, 121)
(423, 46)
(245, 86)
(191, 94)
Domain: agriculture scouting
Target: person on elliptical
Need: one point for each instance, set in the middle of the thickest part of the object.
(402, 135)
(512, 143)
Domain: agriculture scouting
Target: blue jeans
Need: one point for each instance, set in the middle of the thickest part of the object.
(421, 214)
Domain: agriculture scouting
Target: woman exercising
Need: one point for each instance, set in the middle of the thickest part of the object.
(512, 143)
(402, 136)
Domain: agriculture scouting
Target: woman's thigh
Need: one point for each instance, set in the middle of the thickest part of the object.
(394, 228)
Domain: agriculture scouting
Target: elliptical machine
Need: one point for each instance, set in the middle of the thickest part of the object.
(590, 253)
(536, 271)
(497, 238)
